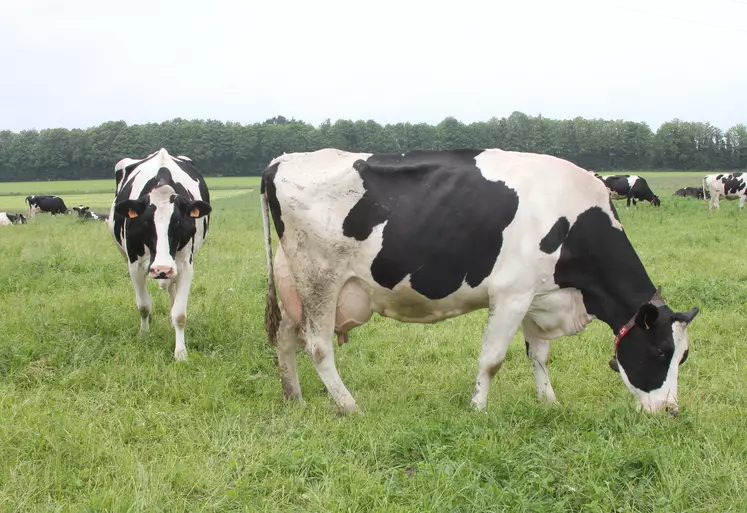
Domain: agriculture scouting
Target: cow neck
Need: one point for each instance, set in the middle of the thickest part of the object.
(617, 306)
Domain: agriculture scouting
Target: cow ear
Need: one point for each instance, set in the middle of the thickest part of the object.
(197, 208)
(646, 316)
(129, 208)
(688, 316)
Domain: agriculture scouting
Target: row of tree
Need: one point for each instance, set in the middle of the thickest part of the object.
(231, 149)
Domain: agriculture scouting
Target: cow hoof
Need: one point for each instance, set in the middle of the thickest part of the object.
(350, 409)
(180, 356)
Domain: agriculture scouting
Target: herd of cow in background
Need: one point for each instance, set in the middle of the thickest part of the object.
(52, 205)
(160, 215)
(633, 188)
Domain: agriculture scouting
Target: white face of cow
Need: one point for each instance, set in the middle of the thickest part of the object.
(164, 223)
(649, 357)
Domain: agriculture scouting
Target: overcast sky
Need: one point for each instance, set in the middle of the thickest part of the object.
(78, 63)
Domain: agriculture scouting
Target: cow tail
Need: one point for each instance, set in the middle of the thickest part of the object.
(704, 190)
(272, 310)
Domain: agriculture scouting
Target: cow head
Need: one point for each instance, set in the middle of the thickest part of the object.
(649, 351)
(81, 210)
(21, 219)
(656, 201)
(164, 222)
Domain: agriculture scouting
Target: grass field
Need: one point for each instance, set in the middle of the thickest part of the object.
(93, 417)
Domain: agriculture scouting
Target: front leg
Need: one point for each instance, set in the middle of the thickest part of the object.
(504, 318)
(139, 277)
(179, 293)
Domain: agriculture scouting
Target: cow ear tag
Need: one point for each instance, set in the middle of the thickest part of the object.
(195, 212)
(131, 214)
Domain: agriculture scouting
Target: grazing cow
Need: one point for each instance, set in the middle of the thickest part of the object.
(11, 219)
(631, 187)
(428, 235)
(52, 204)
(159, 219)
(729, 185)
(691, 192)
(84, 213)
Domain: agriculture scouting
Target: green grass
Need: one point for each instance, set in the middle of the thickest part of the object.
(93, 417)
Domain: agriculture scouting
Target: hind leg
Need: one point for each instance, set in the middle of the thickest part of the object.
(538, 352)
(287, 342)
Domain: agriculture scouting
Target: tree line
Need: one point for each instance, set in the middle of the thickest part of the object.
(232, 149)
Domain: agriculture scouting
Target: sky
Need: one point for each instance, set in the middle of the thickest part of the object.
(79, 63)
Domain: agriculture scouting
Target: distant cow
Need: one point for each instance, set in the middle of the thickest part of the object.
(11, 219)
(84, 213)
(729, 185)
(691, 192)
(159, 219)
(425, 236)
(52, 204)
(631, 187)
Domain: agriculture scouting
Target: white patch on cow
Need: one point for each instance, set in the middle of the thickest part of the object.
(632, 179)
(161, 199)
(4, 221)
(666, 395)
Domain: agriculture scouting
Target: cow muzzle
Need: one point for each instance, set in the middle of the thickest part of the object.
(161, 272)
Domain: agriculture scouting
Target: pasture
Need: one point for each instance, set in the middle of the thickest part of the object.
(94, 417)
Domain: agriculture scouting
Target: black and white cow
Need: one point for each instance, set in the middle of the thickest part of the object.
(631, 187)
(729, 185)
(428, 235)
(159, 219)
(52, 204)
(7, 219)
(691, 192)
(84, 213)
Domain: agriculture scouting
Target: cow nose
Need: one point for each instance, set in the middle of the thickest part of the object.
(161, 272)
(672, 410)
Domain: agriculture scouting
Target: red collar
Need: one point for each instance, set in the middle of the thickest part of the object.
(657, 300)
(623, 331)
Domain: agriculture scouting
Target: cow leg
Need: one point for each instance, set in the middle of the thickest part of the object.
(139, 277)
(741, 203)
(538, 352)
(286, 350)
(179, 293)
(504, 319)
(317, 330)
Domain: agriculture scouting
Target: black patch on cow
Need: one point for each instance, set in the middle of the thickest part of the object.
(192, 172)
(268, 184)
(598, 259)
(737, 174)
(555, 237)
(733, 184)
(718, 177)
(445, 221)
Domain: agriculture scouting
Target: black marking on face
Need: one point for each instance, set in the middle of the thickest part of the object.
(445, 221)
(268, 184)
(646, 354)
(555, 237)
